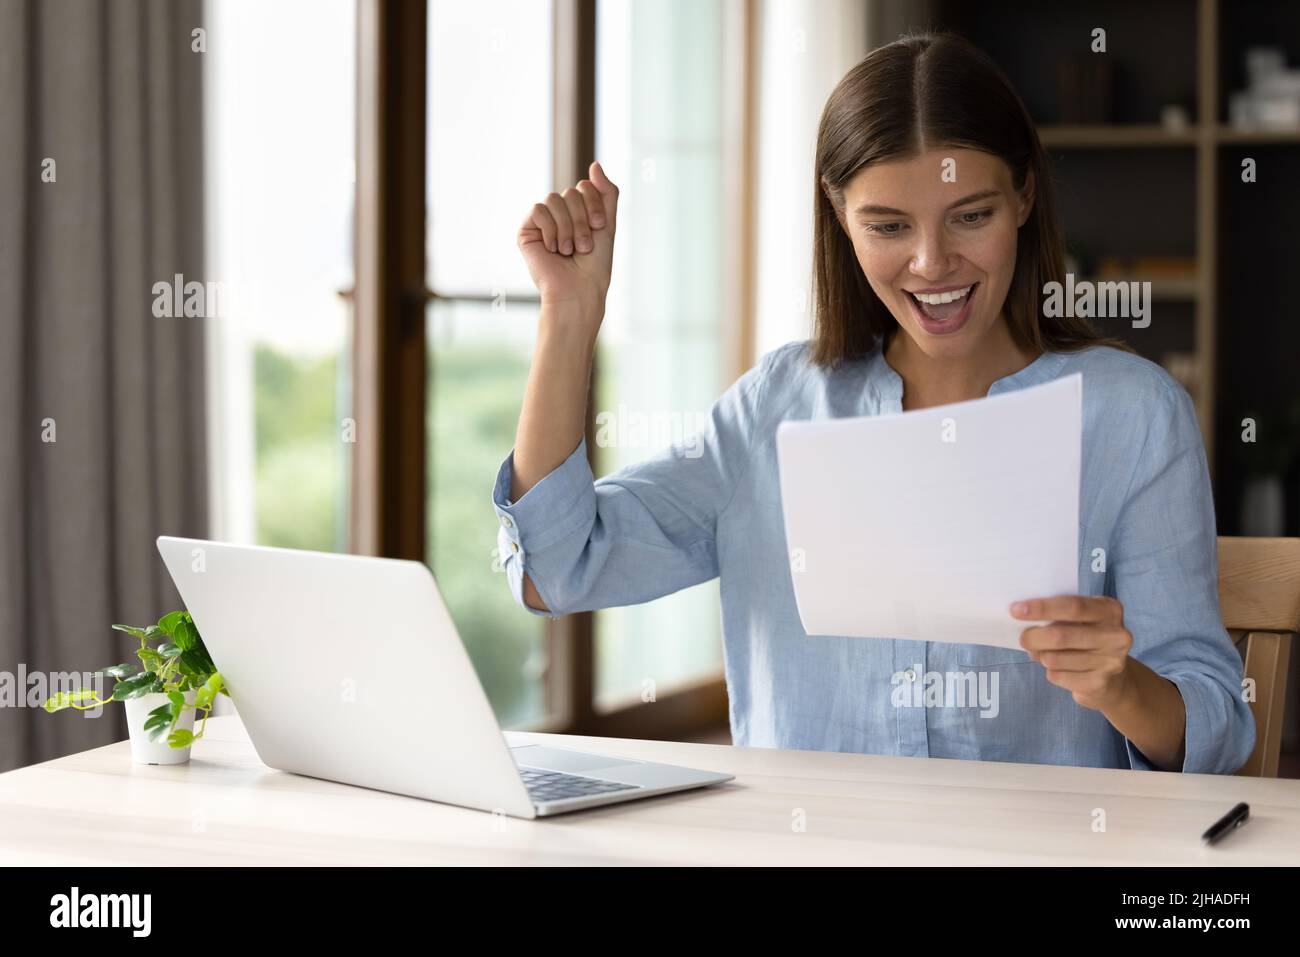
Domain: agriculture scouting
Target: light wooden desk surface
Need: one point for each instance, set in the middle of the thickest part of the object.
(226, 807)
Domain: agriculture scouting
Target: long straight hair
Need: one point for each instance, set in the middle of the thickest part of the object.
(934, 88)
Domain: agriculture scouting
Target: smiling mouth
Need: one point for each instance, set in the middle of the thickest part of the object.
(942, 307)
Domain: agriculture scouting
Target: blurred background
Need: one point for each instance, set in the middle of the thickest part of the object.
(334, 187)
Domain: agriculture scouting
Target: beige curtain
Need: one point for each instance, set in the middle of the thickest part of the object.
(111, 93)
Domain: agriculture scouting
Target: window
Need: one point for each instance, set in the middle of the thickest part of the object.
(659, 134)
(512, 91)
(489, 159)
(280, 154)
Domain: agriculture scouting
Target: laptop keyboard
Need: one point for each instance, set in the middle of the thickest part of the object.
(556, 786)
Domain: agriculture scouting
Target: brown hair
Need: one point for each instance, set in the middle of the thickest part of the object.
(934, 88)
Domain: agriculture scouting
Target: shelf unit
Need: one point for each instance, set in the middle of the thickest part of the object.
(1132, 188)
(1141, 135)
(1167, 51)
(1202, 137)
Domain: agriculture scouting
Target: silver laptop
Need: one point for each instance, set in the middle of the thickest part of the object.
(350, 669)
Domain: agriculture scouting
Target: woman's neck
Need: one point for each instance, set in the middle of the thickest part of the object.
(930, 381)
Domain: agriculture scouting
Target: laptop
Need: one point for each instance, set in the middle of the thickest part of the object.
(350, 669)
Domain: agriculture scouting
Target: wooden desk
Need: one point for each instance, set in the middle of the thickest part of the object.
(225, 807)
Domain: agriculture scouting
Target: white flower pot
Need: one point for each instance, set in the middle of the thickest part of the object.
(146, 751)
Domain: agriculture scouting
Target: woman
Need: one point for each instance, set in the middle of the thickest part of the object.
(935, 235)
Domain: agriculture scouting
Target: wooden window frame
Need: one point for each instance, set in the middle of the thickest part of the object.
(389, 365)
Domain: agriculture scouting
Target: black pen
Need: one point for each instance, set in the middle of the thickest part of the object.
(1229, 822)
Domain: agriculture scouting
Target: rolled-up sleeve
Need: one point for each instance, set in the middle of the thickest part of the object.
(642, 532)
(1165, 563)
(560, 506)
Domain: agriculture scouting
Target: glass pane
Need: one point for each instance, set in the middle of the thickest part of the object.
(489, 149)
(489, 155)
(659, 123)
(478, 363)
(280, 168)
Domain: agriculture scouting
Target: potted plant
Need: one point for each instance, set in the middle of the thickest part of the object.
(175, 680)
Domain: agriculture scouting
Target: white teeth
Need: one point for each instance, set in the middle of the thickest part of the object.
(942, 297)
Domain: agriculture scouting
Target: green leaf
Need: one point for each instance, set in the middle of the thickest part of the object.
(185, 634)
(167, 623)
(153, 631)
(132, 630)
(169, 650)
(211, 688)
(181, 738)
(66, 699)
(141, 684)
(151, 659)
(200, 666)
(119, 671)
(177, 700)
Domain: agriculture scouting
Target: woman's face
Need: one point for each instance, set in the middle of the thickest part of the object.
(940, 226)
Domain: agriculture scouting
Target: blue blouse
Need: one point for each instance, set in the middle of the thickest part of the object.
(711, 506)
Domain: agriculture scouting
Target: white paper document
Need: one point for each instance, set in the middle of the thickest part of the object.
(929, 524)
